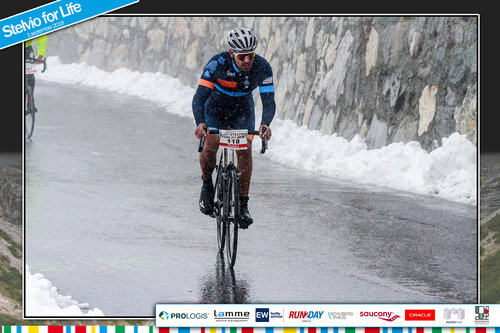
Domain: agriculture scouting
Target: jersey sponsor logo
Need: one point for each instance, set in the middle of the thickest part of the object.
(221, 60)
(246, 83)
(230, 74)
(210, 68)
(268, 80)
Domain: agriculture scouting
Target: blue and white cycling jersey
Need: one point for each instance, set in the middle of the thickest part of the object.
(225, 93)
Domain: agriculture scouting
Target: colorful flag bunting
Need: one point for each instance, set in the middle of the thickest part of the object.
(153, 329)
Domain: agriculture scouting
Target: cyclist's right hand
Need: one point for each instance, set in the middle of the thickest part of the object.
(200, 131)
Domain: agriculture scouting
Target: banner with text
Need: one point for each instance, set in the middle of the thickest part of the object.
(327, 315)
(53, 16)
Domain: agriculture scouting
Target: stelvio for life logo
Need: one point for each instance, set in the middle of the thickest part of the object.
(420, 315)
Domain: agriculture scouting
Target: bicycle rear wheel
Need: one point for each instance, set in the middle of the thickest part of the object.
(29, 113)
(233, 200)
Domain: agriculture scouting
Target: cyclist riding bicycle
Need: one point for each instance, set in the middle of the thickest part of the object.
(223, 100)
(29, 52)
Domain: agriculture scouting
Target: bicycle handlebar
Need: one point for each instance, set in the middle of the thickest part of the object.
(264, 140)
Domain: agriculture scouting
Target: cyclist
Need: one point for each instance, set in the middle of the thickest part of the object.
(224, 99)
(41, 42)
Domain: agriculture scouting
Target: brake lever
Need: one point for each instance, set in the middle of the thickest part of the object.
(264, 141)
(202, 140)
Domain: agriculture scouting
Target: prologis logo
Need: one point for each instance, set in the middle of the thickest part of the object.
(163, 315)
(387, 316)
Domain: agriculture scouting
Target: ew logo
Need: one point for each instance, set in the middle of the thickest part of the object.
(262, 315)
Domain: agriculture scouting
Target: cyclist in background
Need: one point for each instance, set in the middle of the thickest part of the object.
(223, 100)
(29, 52)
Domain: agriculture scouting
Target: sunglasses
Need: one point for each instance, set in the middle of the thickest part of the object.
(242, 56)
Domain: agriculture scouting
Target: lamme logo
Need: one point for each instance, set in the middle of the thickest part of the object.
(232, 314)
(305, 314)
(387, 316)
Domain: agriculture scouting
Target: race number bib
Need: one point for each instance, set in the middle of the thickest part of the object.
(234, 139)
(30, 68)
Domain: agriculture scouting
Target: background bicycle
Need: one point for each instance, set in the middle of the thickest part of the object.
(31, 67)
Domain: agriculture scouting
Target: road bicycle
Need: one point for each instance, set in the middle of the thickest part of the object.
(29, 101)
(227, 197)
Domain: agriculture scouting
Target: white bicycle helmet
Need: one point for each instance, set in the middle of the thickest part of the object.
(241, 40)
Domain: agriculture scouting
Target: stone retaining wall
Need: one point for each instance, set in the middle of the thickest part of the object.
(388, 79)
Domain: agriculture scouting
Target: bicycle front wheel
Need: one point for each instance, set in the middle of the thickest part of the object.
(234, 217)
(29, 114)
(218, 211)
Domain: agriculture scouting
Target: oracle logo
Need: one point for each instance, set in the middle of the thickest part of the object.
(420, 315)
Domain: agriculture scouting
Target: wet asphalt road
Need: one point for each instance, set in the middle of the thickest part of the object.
(112, 184)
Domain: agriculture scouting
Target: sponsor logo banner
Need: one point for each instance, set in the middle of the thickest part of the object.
(325, 315)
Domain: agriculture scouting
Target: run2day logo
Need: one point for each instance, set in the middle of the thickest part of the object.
(387, 316)
(306, 316)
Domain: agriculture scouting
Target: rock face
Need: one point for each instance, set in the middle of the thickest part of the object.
(11, 188)
(387, 79)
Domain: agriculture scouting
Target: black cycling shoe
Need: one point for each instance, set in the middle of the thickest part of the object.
(207, 194)
(245, 219)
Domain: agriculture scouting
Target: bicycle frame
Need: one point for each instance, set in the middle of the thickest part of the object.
(227, 157)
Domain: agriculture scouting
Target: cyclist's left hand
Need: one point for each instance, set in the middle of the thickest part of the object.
(39, 60)
(267, 133)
